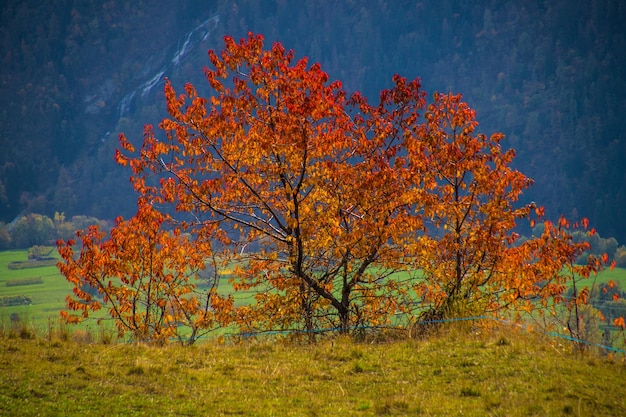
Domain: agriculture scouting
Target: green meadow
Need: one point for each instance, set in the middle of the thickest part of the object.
(48, 296)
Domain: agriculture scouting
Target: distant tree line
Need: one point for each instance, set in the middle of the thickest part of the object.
(38, 229)
(598, 246)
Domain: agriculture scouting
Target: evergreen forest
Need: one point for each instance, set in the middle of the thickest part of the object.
(550, 75)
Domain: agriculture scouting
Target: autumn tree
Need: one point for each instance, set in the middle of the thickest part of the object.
(552, 283)
(277, 155)
(470, 192)
(147, 278)
(336, 212)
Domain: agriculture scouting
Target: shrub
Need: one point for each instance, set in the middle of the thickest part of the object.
(5, 237)
(32, 264)
(620, 257)
(24, 281)
(15, 300)
(598, 246)
(40, 252)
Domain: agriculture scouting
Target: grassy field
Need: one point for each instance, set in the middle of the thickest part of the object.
(501, 372)
(616, 275)
(47, 298)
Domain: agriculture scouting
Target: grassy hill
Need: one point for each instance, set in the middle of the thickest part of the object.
(501, 372)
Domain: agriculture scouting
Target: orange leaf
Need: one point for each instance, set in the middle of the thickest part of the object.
(615, 297)
(585, 222)
(619, 322)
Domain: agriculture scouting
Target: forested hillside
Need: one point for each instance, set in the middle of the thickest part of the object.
(550, 75)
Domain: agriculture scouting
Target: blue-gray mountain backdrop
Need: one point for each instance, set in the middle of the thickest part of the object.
(550, 75)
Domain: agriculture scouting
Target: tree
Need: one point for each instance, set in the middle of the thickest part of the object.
(320, 200)
(550, 263)
(470, 191)
(278, 157)
(33, 229)
(5, 237)
(147, 277)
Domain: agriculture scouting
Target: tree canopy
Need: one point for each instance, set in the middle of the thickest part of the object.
(337, 213)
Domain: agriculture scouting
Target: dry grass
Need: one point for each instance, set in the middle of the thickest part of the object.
(497, 373)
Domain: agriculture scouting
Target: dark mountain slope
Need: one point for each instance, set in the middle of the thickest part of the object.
(550, 75)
